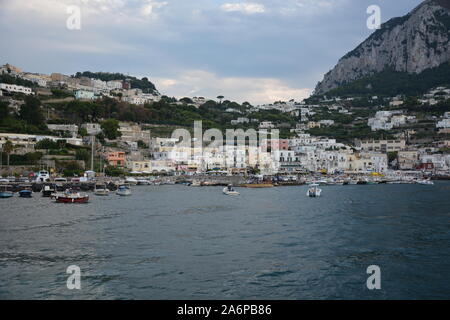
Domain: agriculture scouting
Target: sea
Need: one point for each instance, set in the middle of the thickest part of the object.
(180, 242)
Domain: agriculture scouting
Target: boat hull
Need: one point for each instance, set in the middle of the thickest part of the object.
(72, 200)
(25, 194)
(5, 195)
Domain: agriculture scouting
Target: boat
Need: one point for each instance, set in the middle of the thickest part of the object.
(101, 190)
(143, 182)
(259, 185)
(131, 181)
(5, 193)
(229, 191)
(25, 193)
(71, 196)
(123, 191)
(48, 190)
(425, 182)
(314, 191)
(43, 176)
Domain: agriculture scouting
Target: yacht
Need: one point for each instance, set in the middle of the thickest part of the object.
(43, 176)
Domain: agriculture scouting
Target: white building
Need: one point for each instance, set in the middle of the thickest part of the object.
(12, 88)
(445, 123)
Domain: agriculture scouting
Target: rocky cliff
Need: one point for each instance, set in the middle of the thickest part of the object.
(413, 43)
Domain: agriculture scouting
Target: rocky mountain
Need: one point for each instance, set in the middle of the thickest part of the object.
(410, 44)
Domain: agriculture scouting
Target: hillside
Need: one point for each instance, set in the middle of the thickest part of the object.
(144, 84)
(408, 45)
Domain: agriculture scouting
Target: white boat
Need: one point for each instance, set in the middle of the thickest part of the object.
(101, 190)
(229, 191)
(123, 191)
(314, 191)
(143, 182)
(43, 176)
(426, 182)
(132, 181)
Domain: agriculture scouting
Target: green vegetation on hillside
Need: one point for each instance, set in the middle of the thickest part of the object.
(392, 83)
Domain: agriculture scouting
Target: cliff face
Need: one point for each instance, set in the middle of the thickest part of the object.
(413, 43)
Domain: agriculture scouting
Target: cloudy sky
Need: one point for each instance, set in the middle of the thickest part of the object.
(257, 51)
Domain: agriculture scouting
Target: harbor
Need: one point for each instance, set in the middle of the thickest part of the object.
(173, 241)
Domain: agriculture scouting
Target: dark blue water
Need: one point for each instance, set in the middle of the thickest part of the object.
(178, 242)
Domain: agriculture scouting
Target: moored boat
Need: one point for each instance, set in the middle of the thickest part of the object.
(259, 185)
(48, 190)
(123, 191)
(101, 190)
(131, 181)
(71, 196)
(5, 193)
(425, 182)
(25, 193)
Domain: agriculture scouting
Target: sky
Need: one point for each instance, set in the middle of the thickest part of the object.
(258, 51)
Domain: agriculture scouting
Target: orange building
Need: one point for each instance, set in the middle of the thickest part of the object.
(116, 159)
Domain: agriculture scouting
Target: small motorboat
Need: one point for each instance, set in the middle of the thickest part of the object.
(314, 191)
(101, 190)
(143, 182)
(229, 191)
(5, 193)
(71, 196)
(425, 182)
(48, 190)
(123, 191)
(25, 193)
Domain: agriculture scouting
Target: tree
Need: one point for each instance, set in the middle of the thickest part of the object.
(8, 147)
(31, 111)
(82, 154)
(4, 110)
(82, 132)
(110, 128)
(220, 99)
